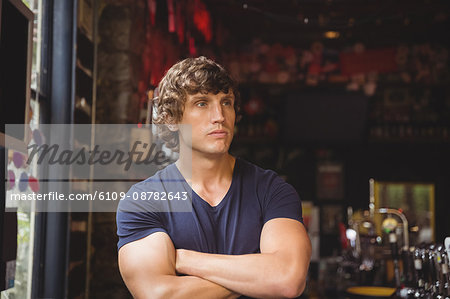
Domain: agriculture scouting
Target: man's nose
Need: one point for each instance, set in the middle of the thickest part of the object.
(217, 114)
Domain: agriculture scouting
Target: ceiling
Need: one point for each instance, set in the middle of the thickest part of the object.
(300, 22)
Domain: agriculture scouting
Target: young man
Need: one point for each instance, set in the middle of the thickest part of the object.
(244, 235)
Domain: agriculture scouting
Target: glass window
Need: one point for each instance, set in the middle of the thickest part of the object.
(26, 219)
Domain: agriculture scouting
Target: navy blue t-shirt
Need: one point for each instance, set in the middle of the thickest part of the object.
(232, 227)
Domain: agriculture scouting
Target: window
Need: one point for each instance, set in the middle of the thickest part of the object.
(26, 219)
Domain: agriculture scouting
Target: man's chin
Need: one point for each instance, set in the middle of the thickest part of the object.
(214, 151)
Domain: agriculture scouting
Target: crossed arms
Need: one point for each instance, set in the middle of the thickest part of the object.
(149, 267)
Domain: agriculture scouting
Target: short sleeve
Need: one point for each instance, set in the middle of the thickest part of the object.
(135, 222)
(282, 201)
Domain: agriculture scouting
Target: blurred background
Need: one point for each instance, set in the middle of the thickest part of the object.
(349, 101)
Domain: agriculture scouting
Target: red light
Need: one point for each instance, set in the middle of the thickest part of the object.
(139, 125)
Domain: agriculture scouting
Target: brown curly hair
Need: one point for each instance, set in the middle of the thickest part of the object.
(188, 77)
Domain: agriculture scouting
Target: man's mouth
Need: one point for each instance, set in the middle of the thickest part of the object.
(218, 133)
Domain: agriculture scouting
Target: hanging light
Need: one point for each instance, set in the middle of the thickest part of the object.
(332, 34)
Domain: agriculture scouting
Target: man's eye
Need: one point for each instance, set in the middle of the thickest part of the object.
(227, 103)
(201, 104)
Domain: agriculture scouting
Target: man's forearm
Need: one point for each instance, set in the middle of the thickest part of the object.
(170, 286)
(264, 275)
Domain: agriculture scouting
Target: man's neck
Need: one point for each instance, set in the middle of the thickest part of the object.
(206, 170)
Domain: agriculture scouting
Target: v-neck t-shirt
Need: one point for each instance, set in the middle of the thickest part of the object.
(233, 226)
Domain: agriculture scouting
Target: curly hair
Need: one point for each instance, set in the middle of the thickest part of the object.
(188, 77)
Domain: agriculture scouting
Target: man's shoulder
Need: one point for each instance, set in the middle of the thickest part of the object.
(162, 176)
(167, 176)
(152, 194)
(251, 170)
(265, 180)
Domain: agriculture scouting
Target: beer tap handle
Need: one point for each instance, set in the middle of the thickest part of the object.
(445, 273)
(418, 266)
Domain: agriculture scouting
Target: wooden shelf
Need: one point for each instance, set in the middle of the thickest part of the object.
(86, 70)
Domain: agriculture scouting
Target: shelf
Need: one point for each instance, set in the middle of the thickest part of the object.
(84, 85)
(85, 50)
(85, 17)
(86, 34)
(86, 70)
(83, 106)
(413, 85)
(78, 226)
(422, 140)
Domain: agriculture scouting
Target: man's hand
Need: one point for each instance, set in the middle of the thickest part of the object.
(278, 271)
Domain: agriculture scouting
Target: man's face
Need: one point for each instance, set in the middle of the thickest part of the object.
(211, 117)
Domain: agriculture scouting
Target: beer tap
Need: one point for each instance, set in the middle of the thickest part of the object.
(445, 266)
(442, 268)
(418, 266)
(389, 226)
(409, 274)
(404, 224)
(408, 266)
(434, 283)
(427, 271)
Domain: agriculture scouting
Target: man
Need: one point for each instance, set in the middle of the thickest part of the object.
(244, 235)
